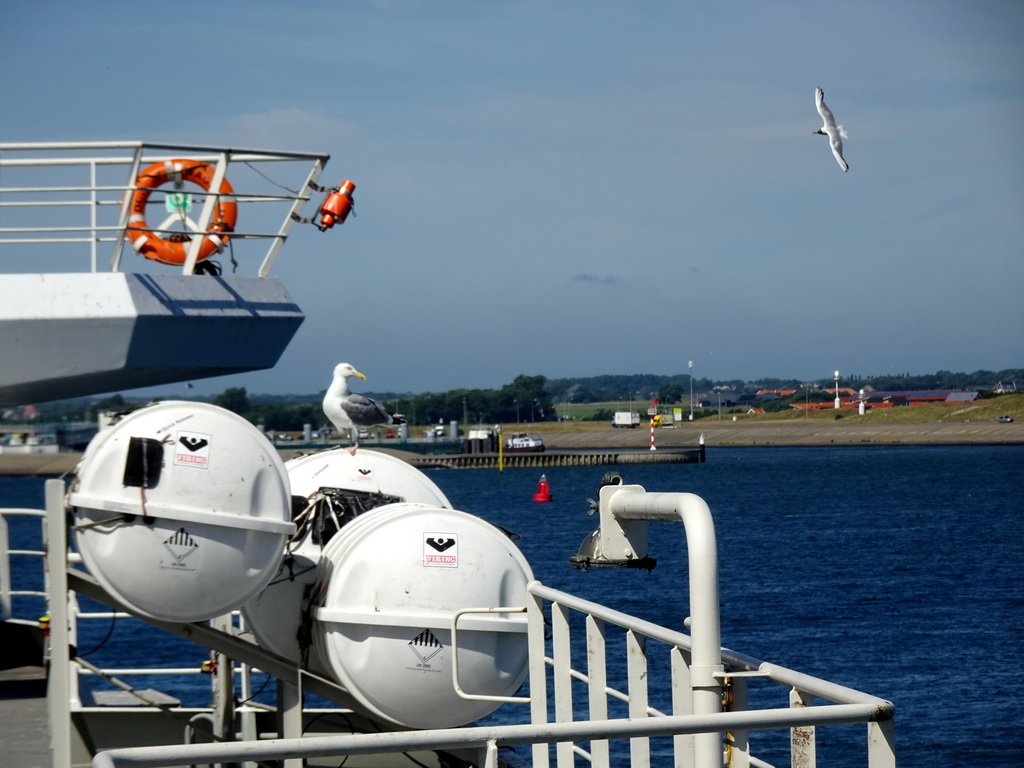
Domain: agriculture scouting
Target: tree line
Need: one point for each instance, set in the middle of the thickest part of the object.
(533, 398)
(675, 388)
(524, 399)
(530, 399)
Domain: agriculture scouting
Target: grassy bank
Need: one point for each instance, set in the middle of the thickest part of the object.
(981, 410)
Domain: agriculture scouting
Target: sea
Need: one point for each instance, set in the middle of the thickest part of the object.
(894, 570)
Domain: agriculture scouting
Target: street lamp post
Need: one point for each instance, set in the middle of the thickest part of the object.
(836, 376)
(691, 390)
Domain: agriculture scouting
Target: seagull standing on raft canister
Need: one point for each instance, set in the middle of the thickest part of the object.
(349, 410)
(835, 133)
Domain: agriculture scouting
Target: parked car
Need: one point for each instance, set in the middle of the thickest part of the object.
(1006, 419)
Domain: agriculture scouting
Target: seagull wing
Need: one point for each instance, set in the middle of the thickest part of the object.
(364, 411)
(824, 111)
(837, 150)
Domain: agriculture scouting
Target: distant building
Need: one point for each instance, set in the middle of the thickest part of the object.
(843, 392)
(892, 399)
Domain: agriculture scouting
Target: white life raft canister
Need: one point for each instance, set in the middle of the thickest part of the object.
(389, 588)
(333, 484)
(182, 510)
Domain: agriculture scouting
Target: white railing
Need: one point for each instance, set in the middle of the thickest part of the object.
(641, 644)
(32, 561)
(76, 616)
(602, 677)
(7, 590)
(573, 726)
(78, 193)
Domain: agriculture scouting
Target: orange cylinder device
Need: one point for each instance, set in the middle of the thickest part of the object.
(336, 206)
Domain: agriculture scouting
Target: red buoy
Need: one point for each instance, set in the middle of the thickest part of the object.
(542, 494)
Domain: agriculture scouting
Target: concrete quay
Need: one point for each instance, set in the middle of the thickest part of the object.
(557, 459)
(717, 434)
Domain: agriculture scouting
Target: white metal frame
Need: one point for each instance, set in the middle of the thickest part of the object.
(132, 155)
(7, 590)
(706, 733)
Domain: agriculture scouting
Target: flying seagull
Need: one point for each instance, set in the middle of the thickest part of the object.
(348, 410)
(835, 133)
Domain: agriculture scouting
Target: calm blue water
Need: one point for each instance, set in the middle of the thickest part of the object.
(894, 570)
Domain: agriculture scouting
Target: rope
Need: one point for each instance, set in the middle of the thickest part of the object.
(277, 184)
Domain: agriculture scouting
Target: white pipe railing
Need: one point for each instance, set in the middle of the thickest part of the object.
(7, 590)
(478, 737)
(622, 507)
(96, 195)
(878, 712)
(698, 668)
(697, 661)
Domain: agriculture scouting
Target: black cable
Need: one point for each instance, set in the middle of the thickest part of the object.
(258, 692)
(352, 730)
(276, 184)
(292, 576)
(110, 631)
(414, 761)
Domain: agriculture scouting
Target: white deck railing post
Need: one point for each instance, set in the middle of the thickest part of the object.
(636, 676)
(538, 673)
(802, 747)
(58, 693)
(620, 508)
(597, 673)
(882, 744)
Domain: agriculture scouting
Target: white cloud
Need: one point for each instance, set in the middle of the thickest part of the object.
(586, 277)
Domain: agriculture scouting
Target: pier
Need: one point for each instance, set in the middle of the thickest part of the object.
(557, 459)
(57, 464)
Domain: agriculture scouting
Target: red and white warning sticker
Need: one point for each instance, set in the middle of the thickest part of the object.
(441, 550)
(192, 449)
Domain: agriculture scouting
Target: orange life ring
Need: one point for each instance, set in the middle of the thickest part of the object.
(173, 251)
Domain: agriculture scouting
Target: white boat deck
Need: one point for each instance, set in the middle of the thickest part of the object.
(84, 314)
(23, 718)
(565, 722)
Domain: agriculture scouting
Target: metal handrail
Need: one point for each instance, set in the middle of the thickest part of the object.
(699, 667)
(134, 154)
(550, 611)
(77, 615)
(6, 586)
(850, 707)
(484, 738)
(843, 704)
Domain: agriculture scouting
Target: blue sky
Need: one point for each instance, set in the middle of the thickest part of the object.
(579, 188)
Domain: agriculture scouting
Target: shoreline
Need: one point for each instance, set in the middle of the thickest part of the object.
(717, 434)
(813, 432)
